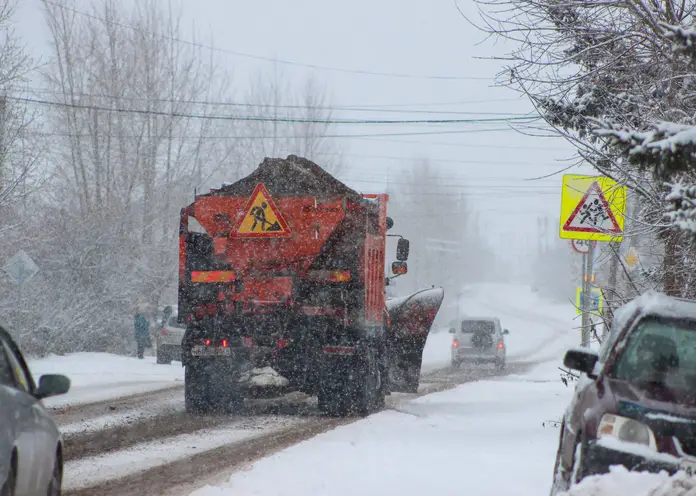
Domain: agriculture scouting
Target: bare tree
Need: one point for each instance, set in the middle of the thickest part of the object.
(272, 97)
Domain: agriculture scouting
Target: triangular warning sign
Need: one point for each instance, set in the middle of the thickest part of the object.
(261, 218)
(593, 214)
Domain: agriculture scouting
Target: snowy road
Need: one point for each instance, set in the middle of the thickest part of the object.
(207, 445)
(126, 429)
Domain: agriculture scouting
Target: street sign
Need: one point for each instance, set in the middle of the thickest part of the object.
(596, 301)
(20, 267)
(582, 245)
(592, 208)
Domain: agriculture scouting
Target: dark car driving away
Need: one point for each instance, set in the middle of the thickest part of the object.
(31, 461)
(635, 403)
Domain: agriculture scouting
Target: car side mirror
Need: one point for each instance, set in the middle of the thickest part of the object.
(582, 360)
(52, 385)
(399, 268)
(453, 330)
(402, 249)
(505, 331)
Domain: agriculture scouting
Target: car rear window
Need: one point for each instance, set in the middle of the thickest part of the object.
(477, 326)
(173, 323)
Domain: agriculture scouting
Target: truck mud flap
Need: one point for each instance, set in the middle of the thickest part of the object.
(411, 318)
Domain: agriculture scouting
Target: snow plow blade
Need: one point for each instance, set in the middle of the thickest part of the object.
(411, 318)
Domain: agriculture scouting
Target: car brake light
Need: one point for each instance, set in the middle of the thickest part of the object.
(248, 341)
(501, 345)
(224, 343)
(282, 343)
(455, 343)
(207, 342)
(164, 332)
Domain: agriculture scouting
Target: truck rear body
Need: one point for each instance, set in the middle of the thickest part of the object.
(284, 268)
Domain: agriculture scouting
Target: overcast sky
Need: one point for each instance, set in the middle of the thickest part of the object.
(423, 40)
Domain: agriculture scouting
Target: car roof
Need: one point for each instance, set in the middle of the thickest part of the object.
(659, 305)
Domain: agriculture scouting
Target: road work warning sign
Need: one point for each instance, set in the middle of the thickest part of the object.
(592, 208)
(261, 218)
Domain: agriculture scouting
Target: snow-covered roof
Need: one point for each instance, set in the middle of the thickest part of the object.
(658, 304)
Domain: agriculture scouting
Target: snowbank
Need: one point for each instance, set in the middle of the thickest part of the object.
(621, 481)
(100, 376)
(483, 438)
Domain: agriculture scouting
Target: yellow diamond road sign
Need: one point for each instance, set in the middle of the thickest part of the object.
(592, 208)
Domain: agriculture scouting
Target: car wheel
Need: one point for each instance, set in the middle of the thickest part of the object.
(54, 487)
(579, 470)
(8, 488)
(560, 481)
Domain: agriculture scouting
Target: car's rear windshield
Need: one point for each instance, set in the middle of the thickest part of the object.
(173, 323)
(661, 352)
(477, 326)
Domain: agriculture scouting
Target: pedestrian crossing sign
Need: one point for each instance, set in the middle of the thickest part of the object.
(596, 301)
(592, 208)
(261, 218)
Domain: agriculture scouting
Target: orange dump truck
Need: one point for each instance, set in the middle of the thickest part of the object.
(282, 287)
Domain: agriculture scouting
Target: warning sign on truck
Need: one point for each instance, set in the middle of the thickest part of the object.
(261, 218)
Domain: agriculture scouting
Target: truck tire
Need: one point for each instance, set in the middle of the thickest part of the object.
(196, 397)
(370, 394)
(358, 392)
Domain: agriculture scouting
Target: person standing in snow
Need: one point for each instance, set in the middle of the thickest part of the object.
(142, 333)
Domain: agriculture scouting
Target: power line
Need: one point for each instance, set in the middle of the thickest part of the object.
(286, 120)
(289, 137)
(347, 108)
(269, 59)
(433, 160)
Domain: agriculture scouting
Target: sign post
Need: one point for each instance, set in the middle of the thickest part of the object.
(592, 209)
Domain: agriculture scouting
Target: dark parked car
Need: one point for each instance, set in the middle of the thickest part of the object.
(31, 461)
(635, 402)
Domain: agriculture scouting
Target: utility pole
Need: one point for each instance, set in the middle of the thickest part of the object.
(587, 295)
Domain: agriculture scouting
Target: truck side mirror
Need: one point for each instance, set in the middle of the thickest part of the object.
(399, 268)
(390, 223)
(402, 249)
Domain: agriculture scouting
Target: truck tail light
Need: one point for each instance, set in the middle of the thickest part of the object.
(330, 275)
(455, 343)
(501, 345)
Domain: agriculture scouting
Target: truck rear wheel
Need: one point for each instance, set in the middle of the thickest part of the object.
(196, 396)
(355, 388)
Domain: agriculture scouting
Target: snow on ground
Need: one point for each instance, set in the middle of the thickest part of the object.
(101, 376)
(621, 481)
(489, 437)
(93, 470)
(481, 438)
